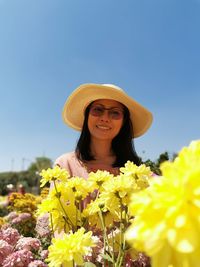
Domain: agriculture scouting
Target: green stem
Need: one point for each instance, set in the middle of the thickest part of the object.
(105, 237)
(76, 219)
(122, 241)
(113, 254)
(51, 223)
(104, 234)
(80, 210)
(67, 219)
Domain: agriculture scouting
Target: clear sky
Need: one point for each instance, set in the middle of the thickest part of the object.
(150, 48)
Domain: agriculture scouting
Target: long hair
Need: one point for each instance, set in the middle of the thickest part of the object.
(122, 145)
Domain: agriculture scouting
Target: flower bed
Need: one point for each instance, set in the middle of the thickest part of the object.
(21, 242)
(134, 219)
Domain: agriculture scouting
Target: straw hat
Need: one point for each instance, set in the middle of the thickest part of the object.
(81, 97)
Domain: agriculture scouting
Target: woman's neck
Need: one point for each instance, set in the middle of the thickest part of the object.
(102, 151)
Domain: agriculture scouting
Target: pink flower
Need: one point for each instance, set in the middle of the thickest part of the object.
(20, 258)
(28, 243)
(11, 215)
(21, 217)
(37, 263)
(42, 225)
(44, 254)
(10, 235)
(5, 250)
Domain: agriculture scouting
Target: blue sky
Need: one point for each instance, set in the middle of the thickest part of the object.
(151, 48)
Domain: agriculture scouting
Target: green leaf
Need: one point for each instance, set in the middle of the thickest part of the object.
(89, 264)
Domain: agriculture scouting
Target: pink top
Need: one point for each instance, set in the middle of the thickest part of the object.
(75, 167)
(70, 162)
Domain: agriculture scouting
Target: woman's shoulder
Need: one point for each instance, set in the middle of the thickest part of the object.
(72, 164)
(67, 155)
(65, 158)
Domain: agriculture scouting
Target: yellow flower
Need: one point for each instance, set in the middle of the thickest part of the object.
(167, 213)
(187, 162)
(60, 203)
(22, 202)
(140, 174)
(53, 174)
(69, 248)
(116, 194)
(98, 178)
(79, 186)
(91, 212)
(2, 222)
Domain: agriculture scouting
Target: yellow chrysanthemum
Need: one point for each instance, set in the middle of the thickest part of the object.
(60, 203)
(98, 178)
(22, 202)
(92, 213)
(187, 162)
(116, 193)
(69, 248)
(167, 214)
(63, 217)
(140, 174)
(55, 173)
(79, 187)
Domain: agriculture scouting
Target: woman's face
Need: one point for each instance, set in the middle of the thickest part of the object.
(105, 119)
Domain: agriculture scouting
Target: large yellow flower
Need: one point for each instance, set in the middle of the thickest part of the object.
(98, 178)
(60, 203)
(69, 248)
(167, 214)
(53, 174)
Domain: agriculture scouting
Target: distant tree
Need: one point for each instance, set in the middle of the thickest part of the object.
(163, 157)
(36, 167)
(155, 165)
(7, 178)
(40, 164)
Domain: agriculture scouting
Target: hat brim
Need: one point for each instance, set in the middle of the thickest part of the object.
(77, 102)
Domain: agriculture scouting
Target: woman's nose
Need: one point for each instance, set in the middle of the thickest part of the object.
(105, 116)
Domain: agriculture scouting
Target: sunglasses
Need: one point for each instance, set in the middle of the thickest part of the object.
(113, 113)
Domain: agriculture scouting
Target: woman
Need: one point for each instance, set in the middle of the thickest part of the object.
(108, 120)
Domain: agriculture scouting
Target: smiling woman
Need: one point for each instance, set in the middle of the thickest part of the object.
(105, 119)
(109, 120)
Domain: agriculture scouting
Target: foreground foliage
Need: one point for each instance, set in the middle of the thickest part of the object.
(92, 215)
(167, 213)
(126, 214)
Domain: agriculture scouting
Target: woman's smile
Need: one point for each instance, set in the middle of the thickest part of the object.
(103, 127)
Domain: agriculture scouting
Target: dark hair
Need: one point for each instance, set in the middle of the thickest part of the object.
(122, 144)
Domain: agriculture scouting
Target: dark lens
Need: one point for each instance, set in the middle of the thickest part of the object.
(116, 114)
(97, 111)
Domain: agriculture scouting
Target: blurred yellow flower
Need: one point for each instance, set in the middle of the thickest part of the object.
(117, 191)
(70, 248)
(98, 178)
(60, 203)
(167, 213)
(53, 174)
(79, 187)
(91, 212)
(22, 202)
(140, 174)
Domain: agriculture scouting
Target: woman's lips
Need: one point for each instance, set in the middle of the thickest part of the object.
(103, 127)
